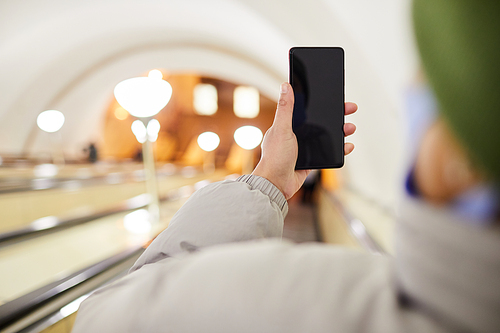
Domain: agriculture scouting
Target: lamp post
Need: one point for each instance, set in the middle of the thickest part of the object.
(51, 121)
(208, 141)
(248, 138)
(144, 97)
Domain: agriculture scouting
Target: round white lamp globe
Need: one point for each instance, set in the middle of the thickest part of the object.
(155, 74)
(208, 141)
(248, 137)
(153, 129)
(50, 120)
(139, 131)
(143, 97)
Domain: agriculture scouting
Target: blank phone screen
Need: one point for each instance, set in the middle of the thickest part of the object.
(317, 78)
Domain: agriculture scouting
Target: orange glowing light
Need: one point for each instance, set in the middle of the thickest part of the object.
(121, 113)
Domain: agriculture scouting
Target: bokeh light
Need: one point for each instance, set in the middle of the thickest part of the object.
(205, 99)
(46, 170)
(139, 131)
(137, 222)
(121, 113)
(143, 96)
(246, 102)
(50, 120)
(248, 137)
(153, 129)
(208, 141)
(155, 74)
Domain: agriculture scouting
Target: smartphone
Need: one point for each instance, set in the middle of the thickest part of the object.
(317, 78)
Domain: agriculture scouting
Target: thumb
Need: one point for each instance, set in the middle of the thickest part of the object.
(284, 112)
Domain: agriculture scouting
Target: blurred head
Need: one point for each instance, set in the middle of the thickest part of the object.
(459, 45)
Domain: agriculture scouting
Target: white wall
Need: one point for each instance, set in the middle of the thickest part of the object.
(380, 31)
(69, 55)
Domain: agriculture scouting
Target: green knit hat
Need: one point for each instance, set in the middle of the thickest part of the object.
(459, 44)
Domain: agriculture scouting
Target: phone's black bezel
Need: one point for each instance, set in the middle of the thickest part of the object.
(290, 80)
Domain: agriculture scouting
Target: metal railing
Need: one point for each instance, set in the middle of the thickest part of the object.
(356, 226)
(24, 306)
(30, 312)
(52, 223)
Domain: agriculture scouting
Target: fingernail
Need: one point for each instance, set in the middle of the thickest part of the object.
(284, 88)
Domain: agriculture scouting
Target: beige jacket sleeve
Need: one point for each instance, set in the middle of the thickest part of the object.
(230, 211)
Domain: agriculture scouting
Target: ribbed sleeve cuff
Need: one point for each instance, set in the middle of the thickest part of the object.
(268, 188)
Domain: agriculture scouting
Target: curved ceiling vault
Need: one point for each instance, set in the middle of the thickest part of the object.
(70, 55)
(74, 47)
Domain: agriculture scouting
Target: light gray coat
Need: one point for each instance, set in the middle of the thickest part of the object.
(221, 267)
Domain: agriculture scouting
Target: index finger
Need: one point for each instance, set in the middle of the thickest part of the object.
(350, 108)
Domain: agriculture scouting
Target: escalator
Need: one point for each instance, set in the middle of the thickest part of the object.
(46, 267)
(51, 271)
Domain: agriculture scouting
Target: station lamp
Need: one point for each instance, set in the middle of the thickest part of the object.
(144, 97)
(51, 121)
(153, 129)
(208, 141)
(248, 138)
(246, 102)
(139, 131)
(205, 100)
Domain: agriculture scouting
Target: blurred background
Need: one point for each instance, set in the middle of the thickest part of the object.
(76, 203)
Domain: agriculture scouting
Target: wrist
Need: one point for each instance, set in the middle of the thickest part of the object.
(266, 187)
(260, 171)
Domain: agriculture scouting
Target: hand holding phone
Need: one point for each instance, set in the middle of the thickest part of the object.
(317, 78)
(279, 147)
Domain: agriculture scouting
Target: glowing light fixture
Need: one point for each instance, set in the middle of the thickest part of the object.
(208, 141)
(155, 74)
(248, 137)
(153, 129)
(137, 222)
(50, 120)
(205, 99)
(121, 113)
(46, 170)
(143, 96)
(139, 131)
(246, 102)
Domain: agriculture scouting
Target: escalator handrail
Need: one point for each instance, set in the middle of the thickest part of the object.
(34, 229)
(55, 183)
(20, 307)
(356, 226)
(24, 184)
(24, 305)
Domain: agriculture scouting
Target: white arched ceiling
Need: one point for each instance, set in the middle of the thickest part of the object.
(70, 54)
(41, 64)
(177, 58)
